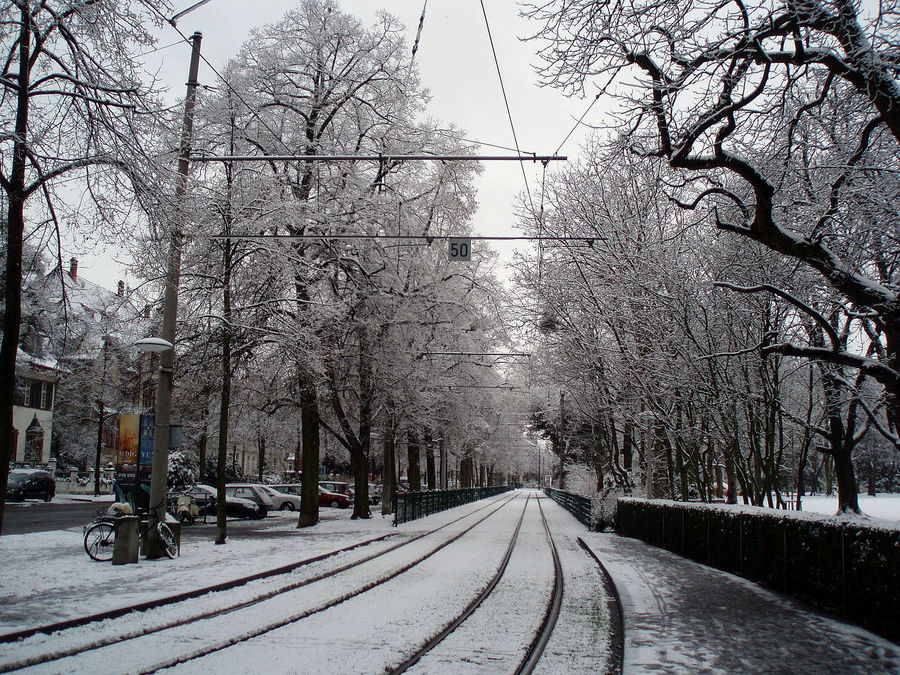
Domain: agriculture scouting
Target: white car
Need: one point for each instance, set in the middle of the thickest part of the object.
(282, 501)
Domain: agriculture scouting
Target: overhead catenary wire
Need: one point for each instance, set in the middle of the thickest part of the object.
(512, 125)
(159, 49)
(380, 157)
(578, 122)
(221, 77)
(420, 237)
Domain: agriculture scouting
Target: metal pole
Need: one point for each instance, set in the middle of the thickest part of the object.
(379, 158)
(161, 435)
(101, 412)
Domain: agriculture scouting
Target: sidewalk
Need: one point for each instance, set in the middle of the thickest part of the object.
(684, 617)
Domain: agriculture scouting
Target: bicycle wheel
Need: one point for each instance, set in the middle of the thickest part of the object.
(98, 541)
(167, 539)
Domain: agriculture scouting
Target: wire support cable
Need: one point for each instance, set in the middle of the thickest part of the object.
(421, 237)
(185, 38)
(200, 157)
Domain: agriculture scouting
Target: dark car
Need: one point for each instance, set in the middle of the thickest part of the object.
(30, 484)
(205, 498)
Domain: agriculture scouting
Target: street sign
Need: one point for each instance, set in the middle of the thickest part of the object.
(460, 248)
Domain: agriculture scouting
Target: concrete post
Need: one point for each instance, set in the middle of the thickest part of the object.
(125, 546)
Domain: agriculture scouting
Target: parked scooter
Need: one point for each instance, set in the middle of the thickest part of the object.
(186, 510)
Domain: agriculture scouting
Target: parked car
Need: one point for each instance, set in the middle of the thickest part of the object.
(337, 486)
(326, 497)
(254, 492)
(205, 498)
(374, 493)
(336, 500)
(282, 500)
(30, 484)
(289, 489)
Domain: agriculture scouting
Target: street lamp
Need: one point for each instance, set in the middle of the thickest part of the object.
(153, 344)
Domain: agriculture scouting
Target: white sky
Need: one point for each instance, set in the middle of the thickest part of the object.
(456, 65)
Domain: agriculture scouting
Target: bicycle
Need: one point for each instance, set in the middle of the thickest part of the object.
(100, 535)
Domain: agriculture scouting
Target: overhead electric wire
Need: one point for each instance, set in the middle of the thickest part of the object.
(158, 49)
(584, 114)
(512, 125)
(218, 74)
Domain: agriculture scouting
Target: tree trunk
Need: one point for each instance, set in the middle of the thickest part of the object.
(225, 398)
(261, 455)
(848, 498)
(627, 448)
(15, 223)
(361, 455)
(413, 471)
(309, 420)
(389, 483)
(731, 489)
(430, 475)
(203, 441)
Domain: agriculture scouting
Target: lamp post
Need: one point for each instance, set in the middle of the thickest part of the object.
(159, 466)
(101, 412)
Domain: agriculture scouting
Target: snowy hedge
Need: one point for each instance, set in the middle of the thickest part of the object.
(843, 565)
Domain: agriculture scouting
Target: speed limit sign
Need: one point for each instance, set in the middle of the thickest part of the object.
(460, 248)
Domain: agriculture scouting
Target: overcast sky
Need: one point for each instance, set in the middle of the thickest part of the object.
(456, 65)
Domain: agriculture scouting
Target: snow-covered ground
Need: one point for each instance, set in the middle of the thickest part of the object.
(679, 616)
(881, 507)
(50, 578)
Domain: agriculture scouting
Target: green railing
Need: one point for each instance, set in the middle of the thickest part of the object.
(578, 506)
(414, 505)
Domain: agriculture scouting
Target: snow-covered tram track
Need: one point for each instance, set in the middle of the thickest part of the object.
(102, 636)
(507, 631)
(371, 628)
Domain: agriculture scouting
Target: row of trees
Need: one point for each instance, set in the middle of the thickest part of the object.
(293, 320)
(772, 345)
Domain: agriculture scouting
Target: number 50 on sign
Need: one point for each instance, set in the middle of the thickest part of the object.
(460, 248)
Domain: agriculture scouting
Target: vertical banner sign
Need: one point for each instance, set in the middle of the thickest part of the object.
(129, 432)
(460, 248)
(148, 423)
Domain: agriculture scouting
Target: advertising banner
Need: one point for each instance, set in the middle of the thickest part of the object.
(148, 426)
(129, 432)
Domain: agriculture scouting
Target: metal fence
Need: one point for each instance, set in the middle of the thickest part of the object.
(414, 505)
(578, 506)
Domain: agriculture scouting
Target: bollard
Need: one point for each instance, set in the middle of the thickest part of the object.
(125, 546)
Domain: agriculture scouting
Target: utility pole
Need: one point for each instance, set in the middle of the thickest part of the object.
(162, 432)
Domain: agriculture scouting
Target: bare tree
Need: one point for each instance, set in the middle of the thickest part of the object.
(71, 105)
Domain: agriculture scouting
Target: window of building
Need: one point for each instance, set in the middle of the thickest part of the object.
(35, 393)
